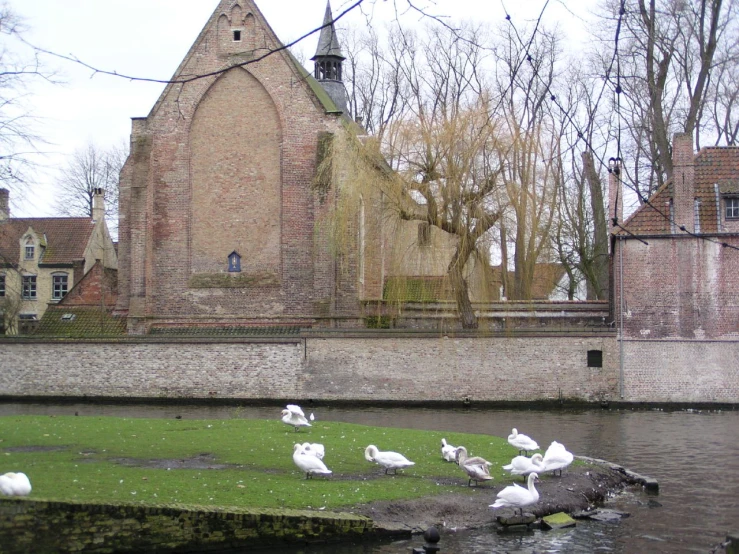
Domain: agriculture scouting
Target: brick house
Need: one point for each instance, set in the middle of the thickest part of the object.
(675, 267)
(42, 258)
(218, 207)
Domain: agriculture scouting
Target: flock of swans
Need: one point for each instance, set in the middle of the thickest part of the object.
(309, 458)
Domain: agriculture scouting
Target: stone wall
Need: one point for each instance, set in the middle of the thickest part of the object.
(152, 370)
(376, 367)
(368, 367)
(454, 369)
(681, 371)
(35, 526)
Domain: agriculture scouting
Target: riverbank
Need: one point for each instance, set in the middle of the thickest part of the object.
(580, 487)
(28, 524)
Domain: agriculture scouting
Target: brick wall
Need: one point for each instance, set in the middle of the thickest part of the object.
(678, 287)
(225, 163)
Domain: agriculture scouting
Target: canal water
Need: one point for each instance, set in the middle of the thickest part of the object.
(693, 454)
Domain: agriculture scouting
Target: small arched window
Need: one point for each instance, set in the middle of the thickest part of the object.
(30, 251)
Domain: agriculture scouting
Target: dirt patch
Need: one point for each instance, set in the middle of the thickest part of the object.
(201, 461)
(35, 448)
(579, 487)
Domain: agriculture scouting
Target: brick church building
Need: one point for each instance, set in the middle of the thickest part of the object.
(218, 210)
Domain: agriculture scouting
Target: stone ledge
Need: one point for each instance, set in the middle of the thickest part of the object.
(53, 526)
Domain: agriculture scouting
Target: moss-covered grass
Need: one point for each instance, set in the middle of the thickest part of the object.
(70, 458)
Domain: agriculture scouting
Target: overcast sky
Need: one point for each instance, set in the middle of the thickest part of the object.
(149, 38)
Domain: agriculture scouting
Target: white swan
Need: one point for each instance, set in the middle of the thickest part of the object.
(15, 484)
(293, 415)
(557, 457)
(388, 460)
(521, 465)
(522, 442)
(314, 449)
(309, 463)
(516, 496)
(448, 452)
(476, 468)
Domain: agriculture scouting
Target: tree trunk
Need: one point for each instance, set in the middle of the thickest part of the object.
(467, 316)
(597, 285)
(504, 262)
(461, 295)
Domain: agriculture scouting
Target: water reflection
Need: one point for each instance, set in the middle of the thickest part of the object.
(693, 455)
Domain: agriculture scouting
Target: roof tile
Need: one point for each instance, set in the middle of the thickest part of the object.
(66, 238)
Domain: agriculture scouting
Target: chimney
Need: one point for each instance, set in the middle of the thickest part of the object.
(615, 195)
(98, 205)
(4, 204)
(683, 181)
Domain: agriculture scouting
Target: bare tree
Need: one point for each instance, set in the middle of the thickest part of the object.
(88, 169)
(671, 53)
(19, 66)
(528, 150)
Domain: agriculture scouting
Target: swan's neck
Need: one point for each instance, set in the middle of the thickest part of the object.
(532, 489)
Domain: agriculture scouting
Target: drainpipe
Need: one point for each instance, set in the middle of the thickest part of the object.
(621, 315)
(718, 206)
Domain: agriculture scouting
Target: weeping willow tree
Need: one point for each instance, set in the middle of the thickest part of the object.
(445, 179)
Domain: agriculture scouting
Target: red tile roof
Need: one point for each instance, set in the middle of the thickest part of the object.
(713, 166)
(66, 238)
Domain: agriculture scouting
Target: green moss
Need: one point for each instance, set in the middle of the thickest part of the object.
(558, 521)
(417, 289)
(378, 322)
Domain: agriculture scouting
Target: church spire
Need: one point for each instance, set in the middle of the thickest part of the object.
(327, 60)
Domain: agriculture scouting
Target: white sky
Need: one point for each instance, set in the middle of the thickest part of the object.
(149, 38)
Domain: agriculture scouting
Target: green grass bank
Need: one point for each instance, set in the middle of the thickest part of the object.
(210, 481)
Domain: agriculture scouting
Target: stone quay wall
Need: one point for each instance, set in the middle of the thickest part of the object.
(38, 526)
(374, 368)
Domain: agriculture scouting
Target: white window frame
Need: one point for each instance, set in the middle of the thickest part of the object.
(731, 204)
(29, 287)
(59, 294)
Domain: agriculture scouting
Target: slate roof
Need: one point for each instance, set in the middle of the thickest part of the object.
(713, 166)
(328, 42)
(66, 238)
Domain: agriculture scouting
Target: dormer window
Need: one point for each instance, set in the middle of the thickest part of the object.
(732, 207)
(234, 262)
(30, 251)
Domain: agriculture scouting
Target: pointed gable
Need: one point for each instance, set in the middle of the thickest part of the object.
(98, 287)
(225, 161)
(256, 42)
